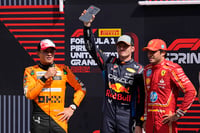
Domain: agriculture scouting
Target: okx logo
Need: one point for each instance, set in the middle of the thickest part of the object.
(184, 51)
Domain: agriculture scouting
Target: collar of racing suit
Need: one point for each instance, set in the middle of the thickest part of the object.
(45, 67)
(160, 64)
(125, 62)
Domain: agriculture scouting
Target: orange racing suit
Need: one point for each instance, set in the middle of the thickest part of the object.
(162, 84)
(48, 96)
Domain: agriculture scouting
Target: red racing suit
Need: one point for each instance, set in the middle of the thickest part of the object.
(162, 84)
(48, 96)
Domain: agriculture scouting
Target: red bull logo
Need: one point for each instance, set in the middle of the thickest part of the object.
(118, 88)
(119, 97)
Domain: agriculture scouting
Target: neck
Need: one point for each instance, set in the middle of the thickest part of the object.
(45, 66)
(162, 59)
(125, 59)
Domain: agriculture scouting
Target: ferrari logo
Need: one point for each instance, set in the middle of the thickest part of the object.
(163, 73)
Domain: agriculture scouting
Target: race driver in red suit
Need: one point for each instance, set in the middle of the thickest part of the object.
(163, 80)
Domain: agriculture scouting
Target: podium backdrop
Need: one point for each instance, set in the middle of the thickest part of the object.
(23, 24)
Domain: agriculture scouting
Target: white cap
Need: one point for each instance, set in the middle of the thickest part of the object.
(126, 39)
(46, 43)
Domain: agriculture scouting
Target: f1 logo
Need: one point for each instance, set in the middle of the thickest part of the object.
(192, 43)
(79, 32)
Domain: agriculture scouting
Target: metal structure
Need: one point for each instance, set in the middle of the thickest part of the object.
(166, 2)
(28, 2)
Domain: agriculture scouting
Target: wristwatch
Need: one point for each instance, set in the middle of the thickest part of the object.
(73, 107)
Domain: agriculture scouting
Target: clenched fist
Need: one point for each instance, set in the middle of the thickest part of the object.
(50, 72)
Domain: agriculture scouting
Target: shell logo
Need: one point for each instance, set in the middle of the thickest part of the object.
(131, 70)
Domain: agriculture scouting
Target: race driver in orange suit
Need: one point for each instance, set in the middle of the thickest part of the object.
(163, 80)
(45, 85)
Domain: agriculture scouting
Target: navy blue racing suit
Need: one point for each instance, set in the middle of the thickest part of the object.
(124, 89)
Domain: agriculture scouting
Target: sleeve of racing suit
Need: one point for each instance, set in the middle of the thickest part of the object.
(96, 53)
(140, 100)
(186, 86)
(32, 86)
(77, 85)
(145, 98)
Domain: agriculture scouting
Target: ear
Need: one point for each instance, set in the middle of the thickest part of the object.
(38, 53)
(132, 48)
(163, 53)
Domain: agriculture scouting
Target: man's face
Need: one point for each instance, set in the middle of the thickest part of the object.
(155, 57)
(124, 51)
(47, 56)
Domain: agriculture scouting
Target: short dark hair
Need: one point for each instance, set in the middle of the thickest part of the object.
(163, 51)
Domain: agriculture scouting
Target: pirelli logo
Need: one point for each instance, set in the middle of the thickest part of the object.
(110, 32)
